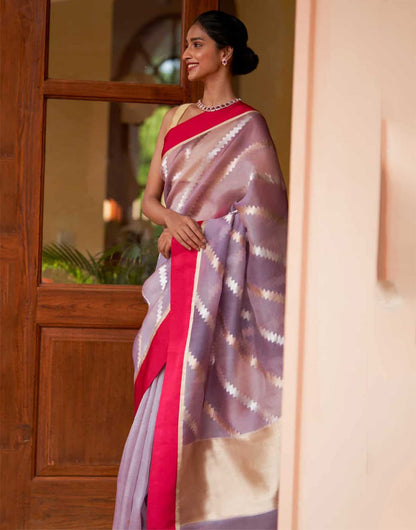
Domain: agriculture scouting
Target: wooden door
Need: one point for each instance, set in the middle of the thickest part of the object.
(67, 388)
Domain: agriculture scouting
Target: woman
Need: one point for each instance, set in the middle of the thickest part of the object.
(203, 451)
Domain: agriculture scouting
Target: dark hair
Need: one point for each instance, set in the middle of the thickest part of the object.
(227, 30)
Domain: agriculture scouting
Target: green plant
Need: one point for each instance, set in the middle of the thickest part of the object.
(126, 265)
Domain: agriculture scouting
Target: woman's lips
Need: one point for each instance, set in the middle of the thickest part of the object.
(191, 65)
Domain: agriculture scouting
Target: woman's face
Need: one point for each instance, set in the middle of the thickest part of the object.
(201, 56)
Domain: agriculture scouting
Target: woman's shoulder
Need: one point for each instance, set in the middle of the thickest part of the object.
(256, 112)
(169, 118)
(174, 114)
(257, 116)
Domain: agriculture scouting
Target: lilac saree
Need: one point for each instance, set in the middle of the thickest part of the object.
(209, 355)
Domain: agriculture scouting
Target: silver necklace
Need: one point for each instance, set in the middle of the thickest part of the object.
(205, 108)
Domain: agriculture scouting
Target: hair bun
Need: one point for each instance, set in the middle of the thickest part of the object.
(244, 61)
(228, 30)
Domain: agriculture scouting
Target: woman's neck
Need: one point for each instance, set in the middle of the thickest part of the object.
(217, 91)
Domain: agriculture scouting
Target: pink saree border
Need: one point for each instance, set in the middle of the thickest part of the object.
(201, 123)
(161, 507)
(153, 362)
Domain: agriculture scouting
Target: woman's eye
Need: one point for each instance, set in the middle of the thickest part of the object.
(195, 44)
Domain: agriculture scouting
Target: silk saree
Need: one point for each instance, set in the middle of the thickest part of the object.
(204, 448)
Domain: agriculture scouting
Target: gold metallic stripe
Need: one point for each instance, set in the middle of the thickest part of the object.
(163, 276)
(230, 477)
(177, 175)
(182, 387)
(266, 294)
(245, 400)
(271, 336)
(189, 420)
(246, 314)
(237, 237)
(267, 177)
(260, 210)
(233, 286)
(164, 168)
(266, 253)
(215, 416)
(272, 378)
(227, 138)
(213, 259)
(204, 312)
(196, 366)
(139, 354)
(252, 147)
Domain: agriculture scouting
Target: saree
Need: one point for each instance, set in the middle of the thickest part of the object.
(209, 356)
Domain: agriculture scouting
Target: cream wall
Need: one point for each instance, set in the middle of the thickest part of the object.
(77, 131)
(270, 25)
(349, 404)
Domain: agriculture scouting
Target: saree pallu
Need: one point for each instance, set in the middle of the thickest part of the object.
(215, 327)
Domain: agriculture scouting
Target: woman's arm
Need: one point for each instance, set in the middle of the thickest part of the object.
(182, 227)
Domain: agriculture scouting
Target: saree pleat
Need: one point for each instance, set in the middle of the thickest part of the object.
(133, 477)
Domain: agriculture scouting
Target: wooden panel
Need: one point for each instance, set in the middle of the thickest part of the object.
(9, 205)
(113, 91)
(22, 30)
(71, 502)
(85, 400)
(91, 306)
(9, 39)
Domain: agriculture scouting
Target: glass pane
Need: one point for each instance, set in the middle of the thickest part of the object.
(96, 165)
(119, 40)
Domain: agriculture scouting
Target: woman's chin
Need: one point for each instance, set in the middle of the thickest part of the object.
(196, 75)
(193, 76)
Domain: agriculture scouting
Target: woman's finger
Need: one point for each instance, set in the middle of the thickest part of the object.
(197, 230)
(182, 241)
(190, 237)
(167, 247)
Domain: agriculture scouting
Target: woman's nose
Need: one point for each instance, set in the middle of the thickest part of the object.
(186, 54)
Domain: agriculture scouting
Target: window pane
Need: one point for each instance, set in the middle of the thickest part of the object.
(119, 40)
(96, 165)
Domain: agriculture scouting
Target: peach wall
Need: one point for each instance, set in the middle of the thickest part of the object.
(349, 404)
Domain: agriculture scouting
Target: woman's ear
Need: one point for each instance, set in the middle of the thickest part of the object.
(226, 53)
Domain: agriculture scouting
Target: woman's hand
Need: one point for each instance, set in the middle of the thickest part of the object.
(185, 230)
(164, 243)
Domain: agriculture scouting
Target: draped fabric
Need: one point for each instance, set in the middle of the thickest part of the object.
(216, 325)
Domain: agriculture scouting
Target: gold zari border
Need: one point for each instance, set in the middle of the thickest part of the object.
(230, 477)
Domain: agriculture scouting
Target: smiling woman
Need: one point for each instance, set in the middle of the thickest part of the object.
(203, 451)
